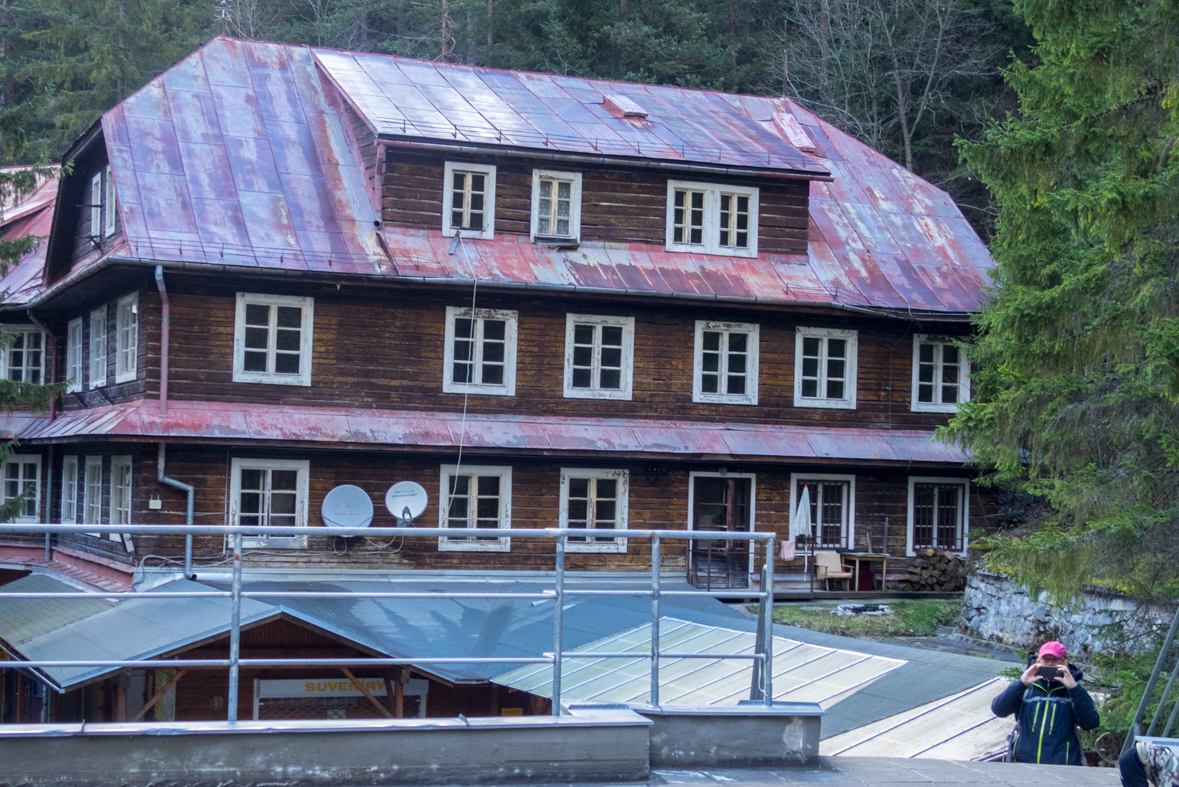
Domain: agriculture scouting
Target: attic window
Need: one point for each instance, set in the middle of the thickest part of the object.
(623, 107)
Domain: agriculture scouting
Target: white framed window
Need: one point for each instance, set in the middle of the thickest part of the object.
(707, 218)
(596, 500)
(475, 497)
(92, 493)
(69, 490)
(833, 507)
(102, 203)
(941, 375)
(468, 200)
(939, 509)
(480, 351)
(75, 353)
(599, 357)
(24, 357)
(556, 205)
(825, 368)
(108, 205)
(22, 475)
(126, 337)
(272, 339)
(724, 369)
(120, 501)
(270, 493)
(98, 347)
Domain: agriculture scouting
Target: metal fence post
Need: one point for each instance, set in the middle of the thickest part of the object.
(235, 628)
(655, 617)
(559, 625)
(767, 609)
(1136, 725)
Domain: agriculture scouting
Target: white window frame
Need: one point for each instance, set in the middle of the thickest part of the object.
(302, 499)
(108, 205)
(96, 214)
(694, 474)
(751, 368)
(574, 203)
(964, 514)
(461, 544)
(98, 347)
(963, 375)
(23, 459)
(511, 329)
(6, 356)
(306, 340)
(69, 489)
(449, 231)
(616, 545)
(127, 338)
(624, 392)
(118, 463)
(75, 355)
(91, 502)
(849, 508)
(851, 365)
(712, 205)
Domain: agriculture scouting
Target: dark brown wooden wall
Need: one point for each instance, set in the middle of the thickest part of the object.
(623, 206)
(658, 499)
(384, 349)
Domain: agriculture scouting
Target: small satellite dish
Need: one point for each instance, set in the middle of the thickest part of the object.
(347, 506)
(406, 500)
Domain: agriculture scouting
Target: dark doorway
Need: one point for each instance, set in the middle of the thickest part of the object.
(720, 503)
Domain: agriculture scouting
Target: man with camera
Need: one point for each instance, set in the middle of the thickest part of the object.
(1049, 705)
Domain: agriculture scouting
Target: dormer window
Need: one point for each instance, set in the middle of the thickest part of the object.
(556, 206)
(709, 219)
(469, 200)
(102, 204)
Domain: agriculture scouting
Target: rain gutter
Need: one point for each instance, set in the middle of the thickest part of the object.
(161, 458)
(616, 161)
(165, 328)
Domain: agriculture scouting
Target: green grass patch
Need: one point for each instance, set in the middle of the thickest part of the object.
(907, 619)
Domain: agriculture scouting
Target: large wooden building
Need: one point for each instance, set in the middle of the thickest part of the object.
(550, 301)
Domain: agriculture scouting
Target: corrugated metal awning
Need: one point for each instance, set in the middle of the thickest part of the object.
(431, 430)
(802, 672)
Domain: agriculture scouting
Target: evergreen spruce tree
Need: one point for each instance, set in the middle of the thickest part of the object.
(1077, 356)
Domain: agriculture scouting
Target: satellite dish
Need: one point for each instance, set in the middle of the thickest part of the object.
(406, 500)
(347, 506)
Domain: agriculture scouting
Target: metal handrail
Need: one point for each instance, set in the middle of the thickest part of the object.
(761, 686)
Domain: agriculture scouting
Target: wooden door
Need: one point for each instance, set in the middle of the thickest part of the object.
(720, 503)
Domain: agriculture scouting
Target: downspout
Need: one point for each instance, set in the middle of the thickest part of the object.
(52, 415)
(165, 330)
(187, 488)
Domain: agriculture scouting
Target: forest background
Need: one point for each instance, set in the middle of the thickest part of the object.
(904, 76)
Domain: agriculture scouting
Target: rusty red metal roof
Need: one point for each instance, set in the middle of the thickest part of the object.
(447, 431)
(31, 216)
(237, 157)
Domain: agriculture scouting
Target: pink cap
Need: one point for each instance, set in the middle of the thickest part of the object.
(1054, 649)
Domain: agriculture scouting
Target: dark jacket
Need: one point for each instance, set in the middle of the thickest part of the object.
(1048, 718)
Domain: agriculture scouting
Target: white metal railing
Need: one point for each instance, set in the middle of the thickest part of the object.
(761, 685)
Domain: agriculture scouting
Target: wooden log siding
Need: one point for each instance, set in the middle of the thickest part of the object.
(658, 499)
(620, 206)
(385, 350)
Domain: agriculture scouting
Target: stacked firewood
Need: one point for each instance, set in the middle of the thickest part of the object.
(936, 569)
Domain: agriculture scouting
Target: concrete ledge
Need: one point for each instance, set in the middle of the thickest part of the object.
(591, 744)
(786, 733)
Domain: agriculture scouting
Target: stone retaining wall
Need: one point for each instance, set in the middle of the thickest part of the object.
(995, 609)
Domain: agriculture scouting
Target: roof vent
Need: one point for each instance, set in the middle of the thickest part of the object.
(623, 107)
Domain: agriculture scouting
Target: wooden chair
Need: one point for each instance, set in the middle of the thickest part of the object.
(829, 566)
